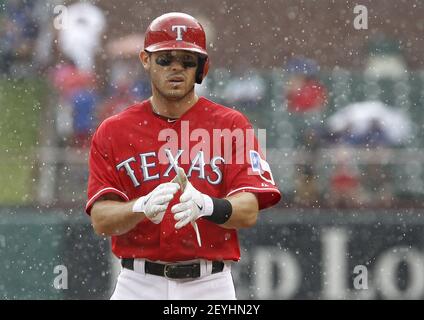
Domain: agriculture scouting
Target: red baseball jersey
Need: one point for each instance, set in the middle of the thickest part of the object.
(136, 150)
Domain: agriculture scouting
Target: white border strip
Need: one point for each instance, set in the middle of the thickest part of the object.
(253, 188)
(99, 192)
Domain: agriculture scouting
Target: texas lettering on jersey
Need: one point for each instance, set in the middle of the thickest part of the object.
(136, 150)
(197, 164)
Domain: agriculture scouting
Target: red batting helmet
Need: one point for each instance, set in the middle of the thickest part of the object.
(178, 31)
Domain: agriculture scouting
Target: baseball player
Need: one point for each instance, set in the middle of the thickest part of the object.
(172, 178)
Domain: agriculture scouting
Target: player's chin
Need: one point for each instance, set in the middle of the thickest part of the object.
(176, 93)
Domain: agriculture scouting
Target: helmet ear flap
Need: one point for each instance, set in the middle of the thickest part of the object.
(202, 69)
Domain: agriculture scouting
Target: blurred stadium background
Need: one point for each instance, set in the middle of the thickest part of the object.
(342, 109)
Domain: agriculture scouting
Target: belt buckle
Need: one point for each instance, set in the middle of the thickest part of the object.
(165, 271)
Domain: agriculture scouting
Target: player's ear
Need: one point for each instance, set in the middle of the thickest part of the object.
(145, 59)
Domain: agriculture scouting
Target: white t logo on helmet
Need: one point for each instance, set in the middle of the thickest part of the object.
(179, 31)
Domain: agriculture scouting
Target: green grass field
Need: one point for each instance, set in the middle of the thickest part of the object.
(20, 106)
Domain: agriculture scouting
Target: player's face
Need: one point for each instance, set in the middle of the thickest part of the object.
(173, 73)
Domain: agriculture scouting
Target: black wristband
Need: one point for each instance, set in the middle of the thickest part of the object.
(222, 210)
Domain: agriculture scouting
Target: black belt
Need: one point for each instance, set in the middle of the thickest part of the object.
(173, 270)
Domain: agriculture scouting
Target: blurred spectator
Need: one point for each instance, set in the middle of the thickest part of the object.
(345, 183)
(344, 187)
(7, 45)
(121, 96)
(126, 85)
(370, 124)
(74, 79)
(80, 40)
(84, 104)
(385, 59)
(311, 142)
(306, 188)
(305, 93)
(68, 79)
(74, 88)
(375, 136)
(379, 185)
(121, 93)
(18, 32)
(119, 100)
(348, 136)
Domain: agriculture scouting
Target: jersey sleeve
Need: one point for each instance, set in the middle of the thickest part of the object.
(249, 171)
(103, 177)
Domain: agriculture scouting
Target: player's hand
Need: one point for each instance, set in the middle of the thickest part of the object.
(192, 202)
(154, 204)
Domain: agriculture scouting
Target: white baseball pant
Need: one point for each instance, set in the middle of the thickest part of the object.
(137, 285)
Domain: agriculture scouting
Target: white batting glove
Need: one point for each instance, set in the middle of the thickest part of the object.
(193, 204)
(154, 204)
